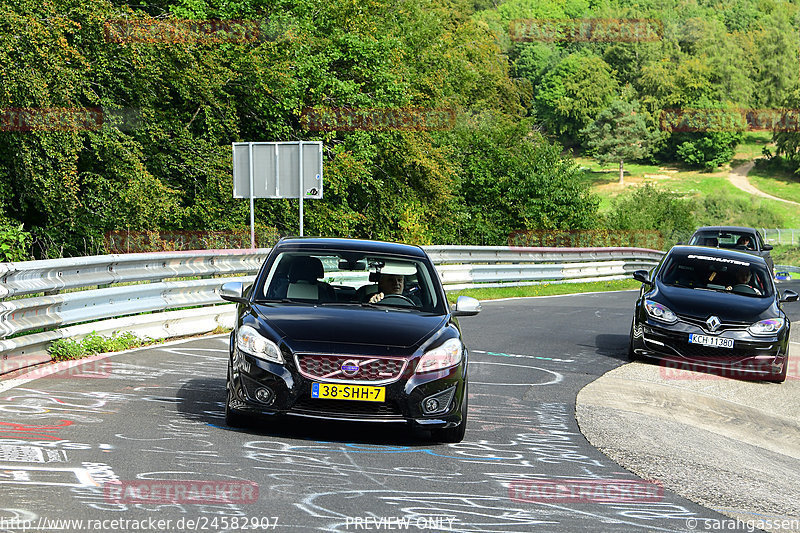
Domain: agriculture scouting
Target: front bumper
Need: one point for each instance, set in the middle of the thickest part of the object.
(750, 357)
(290, 394)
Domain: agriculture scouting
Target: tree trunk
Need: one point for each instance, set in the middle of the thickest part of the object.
(621, 172)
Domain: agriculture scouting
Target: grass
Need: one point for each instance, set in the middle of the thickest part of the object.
(776, 181)
(545, 289)
(752, 146)
(603, 180)
(783, 254)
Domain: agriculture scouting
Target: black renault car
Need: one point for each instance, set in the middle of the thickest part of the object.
(712, 309)
(734, 238)
(352, 330)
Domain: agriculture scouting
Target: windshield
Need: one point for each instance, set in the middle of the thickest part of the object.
(706, 272)
(351, 278)
(737, 240)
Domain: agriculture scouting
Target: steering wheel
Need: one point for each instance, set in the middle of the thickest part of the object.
(399, 297)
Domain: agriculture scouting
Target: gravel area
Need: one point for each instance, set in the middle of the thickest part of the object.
(733, 446)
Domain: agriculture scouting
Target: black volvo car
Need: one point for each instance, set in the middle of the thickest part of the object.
(352, 330)
(715, 310)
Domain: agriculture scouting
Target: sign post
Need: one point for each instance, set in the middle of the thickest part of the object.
(277, 170)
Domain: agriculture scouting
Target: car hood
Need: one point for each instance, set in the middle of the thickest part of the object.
(303, 327)
(728, 307)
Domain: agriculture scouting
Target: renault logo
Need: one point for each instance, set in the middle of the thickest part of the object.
(350, 367)
(713, 323)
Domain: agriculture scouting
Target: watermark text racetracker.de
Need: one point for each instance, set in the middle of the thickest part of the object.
(555, 490)
(730, 120)
(160, 525)
(722, 368)
(50, 119)
(181, 491)
(586, 30)
(179, 31)
(91, 367)
(377, 119)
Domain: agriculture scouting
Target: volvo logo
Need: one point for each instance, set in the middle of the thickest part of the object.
(713, 323)
(350, 368)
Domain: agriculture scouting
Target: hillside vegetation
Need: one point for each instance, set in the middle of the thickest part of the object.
(161, 159)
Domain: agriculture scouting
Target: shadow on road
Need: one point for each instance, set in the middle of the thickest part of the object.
(202, 400)
(613, 346)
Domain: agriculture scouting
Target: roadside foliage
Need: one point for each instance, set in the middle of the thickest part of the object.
(120, 116)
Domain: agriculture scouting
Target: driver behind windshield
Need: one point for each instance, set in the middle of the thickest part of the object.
(391, 284)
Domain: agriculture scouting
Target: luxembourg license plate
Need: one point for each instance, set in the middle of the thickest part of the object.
(360, 393)
(705, 340)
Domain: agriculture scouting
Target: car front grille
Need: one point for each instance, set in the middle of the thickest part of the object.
(347, 409)
(724, 326)
(370, 369)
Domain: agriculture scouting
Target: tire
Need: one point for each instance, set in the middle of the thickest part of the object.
(456, 434)
(233, 418)
(631, 354)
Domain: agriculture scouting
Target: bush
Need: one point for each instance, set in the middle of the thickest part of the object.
(707, 150)
(786, 255)
(15, 243)
(93, 344)
(67, 349)
(651, 208)
(722, 208)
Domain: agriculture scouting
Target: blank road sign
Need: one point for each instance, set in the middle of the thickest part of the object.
(277, 169)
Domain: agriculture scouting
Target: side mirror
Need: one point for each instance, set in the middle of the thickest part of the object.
(643, 276)
(789, 296)
(466, 306)
(766, 247)
(233, 292)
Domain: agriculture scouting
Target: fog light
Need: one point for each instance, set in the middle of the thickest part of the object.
(264, 395)
(431, 405)
(438, 403)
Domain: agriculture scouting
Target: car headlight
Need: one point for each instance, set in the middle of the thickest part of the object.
(248, 340)
(766, 328)
(446, 355)
(660, 312)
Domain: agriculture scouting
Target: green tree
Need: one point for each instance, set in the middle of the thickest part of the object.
(776, 64)
(787, 138)
(620, 132)
(573, 93)
(514, 179)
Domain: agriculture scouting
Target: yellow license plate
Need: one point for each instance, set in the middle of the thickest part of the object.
(361, 393)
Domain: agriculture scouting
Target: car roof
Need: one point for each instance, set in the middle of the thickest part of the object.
(740, 229)
(723, 253)
(355, 245)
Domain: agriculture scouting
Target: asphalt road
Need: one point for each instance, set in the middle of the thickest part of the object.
(137, 442)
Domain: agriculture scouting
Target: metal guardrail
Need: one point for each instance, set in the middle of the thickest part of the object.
(463, 267)
(44, 301)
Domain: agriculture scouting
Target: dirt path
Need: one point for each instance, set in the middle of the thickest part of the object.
(738, 177)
